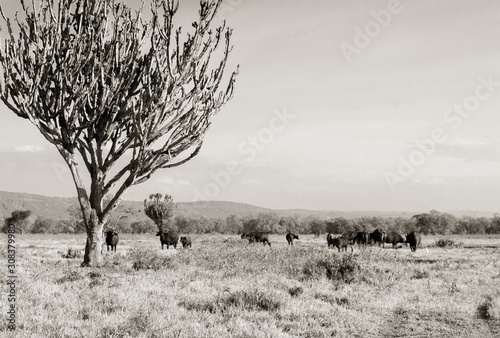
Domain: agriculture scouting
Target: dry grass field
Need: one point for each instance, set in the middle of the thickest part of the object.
(225, 287)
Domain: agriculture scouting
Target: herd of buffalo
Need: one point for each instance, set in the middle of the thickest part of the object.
(378, 237)
(341, 242)
(166, 238)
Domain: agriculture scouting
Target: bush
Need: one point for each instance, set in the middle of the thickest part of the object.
(295, 291)
(448, 243)
(343, 269)
(420, 274)
(72, 253)
(95, 279)
(251, 300)
(490, 308)
(147, 259)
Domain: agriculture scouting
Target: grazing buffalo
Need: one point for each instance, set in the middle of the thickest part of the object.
(111, 239)
(394, 238)
(257, 236)
(362, 237)
(186, 241)
(350, 235)
(290, 237)
(414, 239)
(168, 238)
(378, 236)
(340, 242)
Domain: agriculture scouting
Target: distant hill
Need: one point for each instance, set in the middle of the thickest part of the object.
(47, 207)
(56, 208)
(217, 209)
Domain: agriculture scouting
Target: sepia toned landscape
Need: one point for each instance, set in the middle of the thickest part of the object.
(249, 168)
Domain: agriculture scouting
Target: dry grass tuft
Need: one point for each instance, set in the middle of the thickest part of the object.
(448, 243)
(70, 275)
(149, 259)
(72, 253)
(343, 269)
(490, 308)
(420, 274)
(295, 291)
(249, 300)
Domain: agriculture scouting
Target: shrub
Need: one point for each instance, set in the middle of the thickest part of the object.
(342, 301)
(448, 243)
(344, 269)
(251, 300)
(72, 253)
(96, 279)
(147, 259)
(420, 274)
(295, 291)
(490, 308)
(69, 276)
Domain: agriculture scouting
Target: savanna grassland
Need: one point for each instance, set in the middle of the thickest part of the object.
(225, 287)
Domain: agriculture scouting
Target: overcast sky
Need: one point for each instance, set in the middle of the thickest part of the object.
(340, 105)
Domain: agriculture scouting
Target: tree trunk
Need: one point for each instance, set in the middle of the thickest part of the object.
(90, 209)
(95, 240)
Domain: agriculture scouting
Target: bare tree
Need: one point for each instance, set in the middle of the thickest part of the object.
(160, 209)
(122, 94)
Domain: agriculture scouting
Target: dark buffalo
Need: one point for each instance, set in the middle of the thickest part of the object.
(378, 236)
(290, 237)
(340, 242)
(111, 239)
(257, 236)
(362, 237)
(329, 239)
(394, 238)
(168, 238)
(350, 235)
(186, 241)
(414, 239)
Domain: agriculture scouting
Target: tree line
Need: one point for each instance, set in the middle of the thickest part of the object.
(431, 223)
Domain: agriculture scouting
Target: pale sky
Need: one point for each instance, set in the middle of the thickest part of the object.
(339, 105)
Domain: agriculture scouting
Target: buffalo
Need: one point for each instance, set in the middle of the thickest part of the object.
(290, 237)
(329, 239)
(340, 242)
(394, 238)
(186, 241)
(111, 239)
(362, 237)
(414, 239)
(168, 238)
(378, 236)
(257, 236)
(350, 235)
